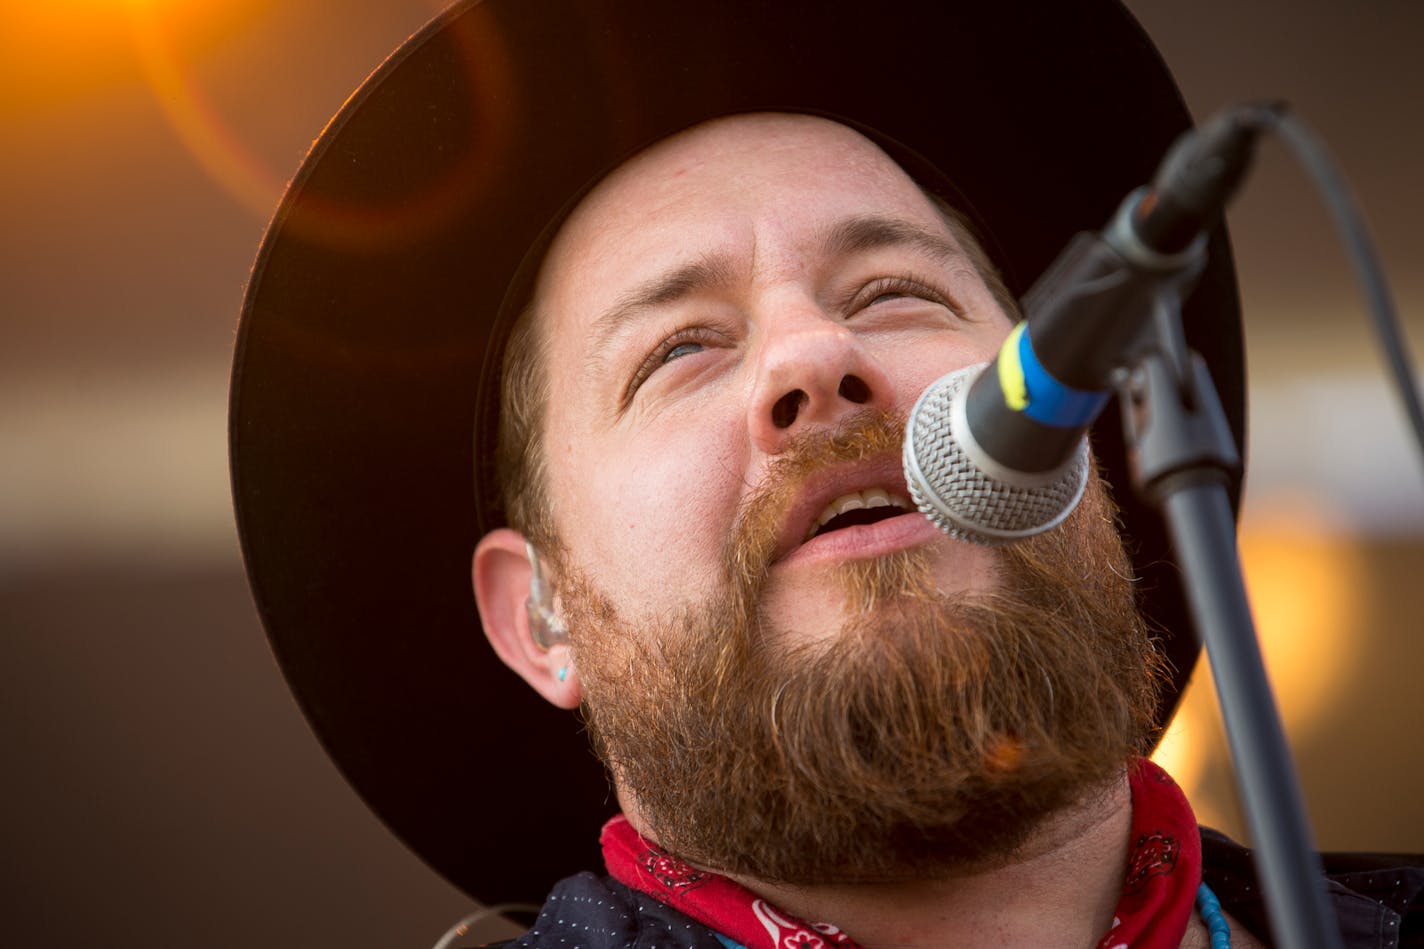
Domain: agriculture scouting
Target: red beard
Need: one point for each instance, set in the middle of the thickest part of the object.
(929, 734)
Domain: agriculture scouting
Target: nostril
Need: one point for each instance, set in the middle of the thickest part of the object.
(854, 389)
(784, 412)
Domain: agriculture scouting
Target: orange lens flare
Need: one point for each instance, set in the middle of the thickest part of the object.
(195, 121)
(429, 205)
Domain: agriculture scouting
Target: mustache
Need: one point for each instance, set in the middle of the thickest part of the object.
(751, 547)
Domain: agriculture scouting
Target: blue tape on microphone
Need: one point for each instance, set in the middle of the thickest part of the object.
(1052, 403)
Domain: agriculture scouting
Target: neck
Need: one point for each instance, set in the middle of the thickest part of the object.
(1060, 889)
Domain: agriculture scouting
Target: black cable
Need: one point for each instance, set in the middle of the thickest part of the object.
(1307, 148)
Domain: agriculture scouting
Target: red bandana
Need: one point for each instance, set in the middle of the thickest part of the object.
(1163, 872)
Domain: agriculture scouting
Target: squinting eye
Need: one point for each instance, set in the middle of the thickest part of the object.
(891, 295)
(890, 289)
(686, 342)
(682, 349)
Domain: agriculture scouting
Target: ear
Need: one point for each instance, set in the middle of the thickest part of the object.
(500, 573)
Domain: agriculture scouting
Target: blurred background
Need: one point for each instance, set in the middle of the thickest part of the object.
(158, 786)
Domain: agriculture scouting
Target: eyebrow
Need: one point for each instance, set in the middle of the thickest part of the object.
(712, 270)
(873, 232)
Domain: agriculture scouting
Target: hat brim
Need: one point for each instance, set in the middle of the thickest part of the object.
(370, 318)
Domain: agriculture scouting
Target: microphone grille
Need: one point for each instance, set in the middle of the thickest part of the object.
(963, 499)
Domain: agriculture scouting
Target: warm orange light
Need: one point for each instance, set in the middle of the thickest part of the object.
(184, 16)
(1305, 579)
(56, 50)
(89, 7)
(428, 204)
(192, 117)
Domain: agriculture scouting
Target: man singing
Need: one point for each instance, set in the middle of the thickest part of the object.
(684, 274)
(798, 682)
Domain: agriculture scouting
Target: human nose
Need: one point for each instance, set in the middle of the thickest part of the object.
(813, 371)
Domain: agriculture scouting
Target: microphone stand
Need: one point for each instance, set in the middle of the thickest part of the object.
(1182, 458)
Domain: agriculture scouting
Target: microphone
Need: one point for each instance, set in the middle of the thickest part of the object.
(999, 452)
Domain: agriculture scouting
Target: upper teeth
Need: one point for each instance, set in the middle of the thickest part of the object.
(872, 497)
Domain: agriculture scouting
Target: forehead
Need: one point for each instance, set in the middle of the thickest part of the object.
(721, 185)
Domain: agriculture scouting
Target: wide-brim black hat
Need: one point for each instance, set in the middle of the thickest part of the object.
(363, 391)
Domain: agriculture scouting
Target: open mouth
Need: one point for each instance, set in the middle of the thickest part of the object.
(858, 508)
